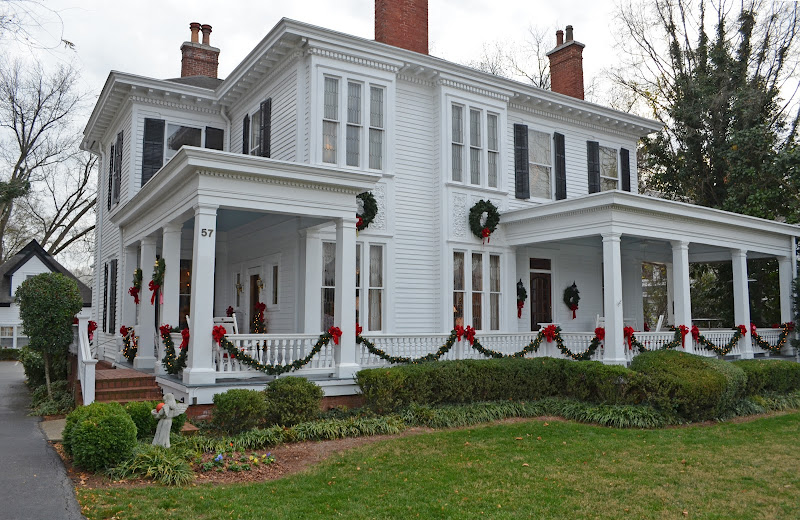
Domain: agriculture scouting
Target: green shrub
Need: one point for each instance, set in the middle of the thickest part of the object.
(163, 465)
(145, 422)
(99, 436)
(238, 410)
(33, 364)
(9, 354)
(292, 400)
(62, 401)
(770, 375)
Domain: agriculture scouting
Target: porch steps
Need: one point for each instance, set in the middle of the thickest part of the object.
(124, 385)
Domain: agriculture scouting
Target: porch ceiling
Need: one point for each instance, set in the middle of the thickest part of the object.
(654, 220)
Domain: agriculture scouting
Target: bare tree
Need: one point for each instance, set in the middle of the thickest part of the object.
(526, 61)
(31, 23)
(35, 131)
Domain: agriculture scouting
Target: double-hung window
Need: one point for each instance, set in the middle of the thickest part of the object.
(357, 106)
(369, 285)
(475, 146)
(609, 169)
(609, 174)
(481, 313)
(540, 164)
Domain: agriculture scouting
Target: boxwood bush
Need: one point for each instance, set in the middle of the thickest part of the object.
(9, 354)
(238, 410)
(770, 376)
(99, 436)
(145, 422)
(292, 400)
(33, 364)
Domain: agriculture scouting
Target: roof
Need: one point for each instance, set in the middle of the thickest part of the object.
(13, 264)
(198, 81)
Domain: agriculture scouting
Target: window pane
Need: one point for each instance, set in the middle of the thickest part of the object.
(375, 149)
(329, 135)
(539, 148)
(458, 124)
(376, 266)
(493, 169)
(540, 263)
(354, 103)
(476, 311)
(458, 309)
(458, 271)
(331, 99)
(607, 184)
(358, 265)
(458, 151)
(327, 308)
(477, 272)
(475, 128)
(274, 285)
(178, 136)
(494, 311)
(353, 144)
(255, 133)
(375, 306)
(608, 162)
(540, 181)
(328, 264)
(376, 107)
(491, 131)
(474, 165)
(494, 273)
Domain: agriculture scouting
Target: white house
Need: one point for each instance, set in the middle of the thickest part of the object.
(247, 188)
(26, 263)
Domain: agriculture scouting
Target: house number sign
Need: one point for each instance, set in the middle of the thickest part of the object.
(206, 232)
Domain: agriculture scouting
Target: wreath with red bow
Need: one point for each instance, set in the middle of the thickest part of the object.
(571, 298)
(483, 219)
(366, 211)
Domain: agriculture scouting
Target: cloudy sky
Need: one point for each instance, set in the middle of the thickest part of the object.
(144, 37)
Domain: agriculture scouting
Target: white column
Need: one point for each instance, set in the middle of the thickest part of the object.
(222, 282)
(312, 313)
(200, 368)
(741, 300)
(131, 260)
(171, 252)
(345, 298)
(681, 287)
(612, 300)
(670, 317)
(146, 329)
(785, 276)
(508, 306)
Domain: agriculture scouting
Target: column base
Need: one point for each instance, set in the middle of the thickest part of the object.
(615, 361)
(347, 370)
(144, 362)
(199, 376)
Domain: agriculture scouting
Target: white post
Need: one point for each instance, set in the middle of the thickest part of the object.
(312, 314)
(345, 297)
(146, 330)
(171, 252)
(612, 300)
(670, 317)
(681, 287)
(785, 276)
(741, 300)
(128, 305)
(200, 368)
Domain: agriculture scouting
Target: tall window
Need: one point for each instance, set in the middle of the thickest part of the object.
(492, 148)
(255, 133)
(609, 172)
(458, 142)
(369, 285)
(376, 128)
(475, 146)
(482, 312)
(459, 288)
(353, 123)
(330, 121)
(494, 292)
(363, 122)
(540, 164)
(477, 291)
(328, 283)
(375, 287)
(358, 283)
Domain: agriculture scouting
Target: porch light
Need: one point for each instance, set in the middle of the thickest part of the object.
(260, 284)
(238, 287)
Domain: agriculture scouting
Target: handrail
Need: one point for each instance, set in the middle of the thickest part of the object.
(86, 362)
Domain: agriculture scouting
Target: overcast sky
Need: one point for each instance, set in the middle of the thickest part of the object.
(145, 37)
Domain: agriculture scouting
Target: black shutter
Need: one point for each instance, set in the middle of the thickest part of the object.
(152, 148)
(522, 181)
(561, 167)
(105, 297)
(111, 157)
(214, 138)
(112, 307)
(593, 160)
(246, 134)
(117, 168)
(625, 159)
(266, 128)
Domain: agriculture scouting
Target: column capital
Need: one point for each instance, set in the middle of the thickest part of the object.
(738, 253)
(679, 244)
(172, 227)
(204, 208)
(149, 240)
(611, 236)
(347, 221)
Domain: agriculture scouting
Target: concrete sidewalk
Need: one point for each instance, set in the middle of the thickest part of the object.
(34, 482)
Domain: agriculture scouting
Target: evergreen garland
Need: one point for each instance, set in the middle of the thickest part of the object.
(130, 343)
(739, 331)
(370, 210)
(172, 364)
(786, 328)
(492, 219)
(274, 370)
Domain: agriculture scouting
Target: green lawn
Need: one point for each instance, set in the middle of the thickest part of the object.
(522, 470)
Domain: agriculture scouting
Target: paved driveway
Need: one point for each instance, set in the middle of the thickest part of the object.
(33, 482)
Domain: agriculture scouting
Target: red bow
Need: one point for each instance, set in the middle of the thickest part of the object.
(359, 328)
(218, 332)
(229, 311)
(600, 332)
(154, 289)
(789, 326)
(550, 333)
(485, 233)
(184, 338)
(684, 331)
(573, 308)
(520, 305)
(628, 331)
(753, 330)
(469, 332)
(742, 330)
(335, 333)
(123, 330)
(359, 222)
(695, 332)
(165, 329)
(459, 332)
(91, 327)
(133, 291)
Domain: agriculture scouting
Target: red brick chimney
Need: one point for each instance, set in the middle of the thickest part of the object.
(199, 59)
(566, 65)
(402, 23)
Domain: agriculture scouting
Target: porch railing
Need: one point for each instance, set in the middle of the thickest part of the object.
(273, 349)
(87, 361)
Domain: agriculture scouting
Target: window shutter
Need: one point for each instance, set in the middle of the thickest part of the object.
(214, 138)
(112, 310)
(522, 181)
(593, 159)
(266, 128)
(111, 157)
(152, 148)
(246, 134)
(561, 167)
(117, 168)
(105, 297)
(625, 160)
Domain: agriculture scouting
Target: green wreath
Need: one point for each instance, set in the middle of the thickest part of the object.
(492, 219)
(571, 298)
(370, 210)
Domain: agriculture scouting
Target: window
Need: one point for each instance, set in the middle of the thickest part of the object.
(110, 296)
(363, 123)
(375, 287)
(373, 277)
(328, 283)
(474, 290)
(115, 171)
(178, 135)
(479, 161)
(257, 131)
(162, 140)
(477, 291)
(255, 134)
(459, 288)
(494, 292)
(274, 285)
(609, 175)
(539, 164)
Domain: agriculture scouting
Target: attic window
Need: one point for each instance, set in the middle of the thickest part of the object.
(178, 136)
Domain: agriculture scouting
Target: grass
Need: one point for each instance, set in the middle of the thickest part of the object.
(528, 469)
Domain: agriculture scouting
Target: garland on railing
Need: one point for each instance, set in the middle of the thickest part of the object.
(174, 364)
(157, 281)
(786, 328)
(678, 340)
(738, 333)
(130, 343)
(273, 370)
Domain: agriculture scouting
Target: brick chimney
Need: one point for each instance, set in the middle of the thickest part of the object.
(566, 65)
(199, 59)
(402, 23)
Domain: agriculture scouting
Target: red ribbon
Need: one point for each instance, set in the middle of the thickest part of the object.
(684, 331)
(184, 338)
(485, 233)
(218, 332)
(600, 333)
(229, 311)
(359, 222)
(789, 325)
(695, 332)
(628, 331)
(459, 332)
(742, 330)
(154, 289)
(335, 333)
(573, 308)
(165, 329)
(550, 333)
(359, 328)
(133, 291)
(753, 330)
(91, 327)
(520, 304)
(123, 330)
(469, 333)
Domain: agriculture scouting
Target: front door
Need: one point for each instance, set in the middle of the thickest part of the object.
(541, 303)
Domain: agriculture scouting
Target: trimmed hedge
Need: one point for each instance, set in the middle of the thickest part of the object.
(770, 376)
(33, 364)
(99, 436)
(9, 354)
(292, 400)
(238, 410)
(140, 412)
(470, 381)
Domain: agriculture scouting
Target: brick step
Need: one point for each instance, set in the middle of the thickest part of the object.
(128, 382)
(128, 394)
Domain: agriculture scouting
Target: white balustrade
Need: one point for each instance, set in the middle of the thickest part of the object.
(771, 336)
(719, 338)
(273, 349)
